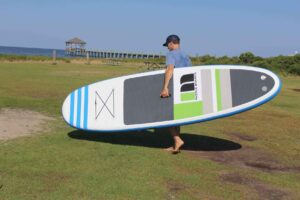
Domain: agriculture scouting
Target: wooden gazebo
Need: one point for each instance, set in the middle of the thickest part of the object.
(75, 47)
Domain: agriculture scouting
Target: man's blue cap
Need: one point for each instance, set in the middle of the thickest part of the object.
(172, 38)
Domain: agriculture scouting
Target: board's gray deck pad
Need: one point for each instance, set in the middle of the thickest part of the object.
(142, 103)
(248, 85)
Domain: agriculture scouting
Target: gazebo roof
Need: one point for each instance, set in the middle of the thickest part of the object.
(76, 41)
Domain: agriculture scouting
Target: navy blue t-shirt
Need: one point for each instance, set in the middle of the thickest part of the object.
(178, 58)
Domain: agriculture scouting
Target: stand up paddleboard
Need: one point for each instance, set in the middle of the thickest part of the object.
(198, 94)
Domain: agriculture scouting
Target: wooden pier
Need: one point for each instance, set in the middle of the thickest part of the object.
(76, 48)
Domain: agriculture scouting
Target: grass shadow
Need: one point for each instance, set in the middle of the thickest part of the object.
(157, 139)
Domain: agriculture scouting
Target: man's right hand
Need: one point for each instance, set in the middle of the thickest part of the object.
(164, 93)
(168, 75)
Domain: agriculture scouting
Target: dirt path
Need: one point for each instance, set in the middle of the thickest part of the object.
(20, 122)
(251, 158)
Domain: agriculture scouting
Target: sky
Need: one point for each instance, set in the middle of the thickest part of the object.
(215, 27)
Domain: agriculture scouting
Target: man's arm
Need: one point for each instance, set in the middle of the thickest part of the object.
(168, 76)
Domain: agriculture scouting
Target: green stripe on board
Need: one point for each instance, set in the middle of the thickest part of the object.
(186, 110)
(188, 96)
(218, 89)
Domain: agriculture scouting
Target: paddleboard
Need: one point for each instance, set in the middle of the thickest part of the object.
(198, 94)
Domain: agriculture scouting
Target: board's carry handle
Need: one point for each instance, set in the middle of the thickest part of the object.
(166, 97)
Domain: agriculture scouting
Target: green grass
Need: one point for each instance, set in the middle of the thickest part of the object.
(12, 58)
(67, 164)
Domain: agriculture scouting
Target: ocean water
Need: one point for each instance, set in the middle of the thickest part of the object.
(31, 51)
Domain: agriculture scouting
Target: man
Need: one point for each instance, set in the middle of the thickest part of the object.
(175, 58)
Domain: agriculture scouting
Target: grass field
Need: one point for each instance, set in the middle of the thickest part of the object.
(253, 155)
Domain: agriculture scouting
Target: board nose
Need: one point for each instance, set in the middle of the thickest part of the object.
(72, 108)
(75, 108)
(66, 109)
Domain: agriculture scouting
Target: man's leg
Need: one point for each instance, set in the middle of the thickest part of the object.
(178, 142)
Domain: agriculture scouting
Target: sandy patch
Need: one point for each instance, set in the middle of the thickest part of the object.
(263, 190)
(296, 90)
(173, 189)
(249, 158)
(19, 122)
(242, 136)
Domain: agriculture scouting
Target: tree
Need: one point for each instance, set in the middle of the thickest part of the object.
(247, 57)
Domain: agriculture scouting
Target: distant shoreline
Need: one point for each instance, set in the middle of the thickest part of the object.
(27, 51)
(30, 47)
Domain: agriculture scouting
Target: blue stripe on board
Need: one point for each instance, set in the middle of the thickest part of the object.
(78, 108)
(86, 101)
(72, 108)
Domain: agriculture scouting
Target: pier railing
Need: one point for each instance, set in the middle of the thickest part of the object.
(109, 54)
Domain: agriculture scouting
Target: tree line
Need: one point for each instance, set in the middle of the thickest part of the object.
(287, 65)
(283, 64)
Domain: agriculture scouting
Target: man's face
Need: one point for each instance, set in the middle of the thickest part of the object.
(170, 46)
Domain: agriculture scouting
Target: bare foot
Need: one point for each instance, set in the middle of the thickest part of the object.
(177, 147)
(170, 149)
